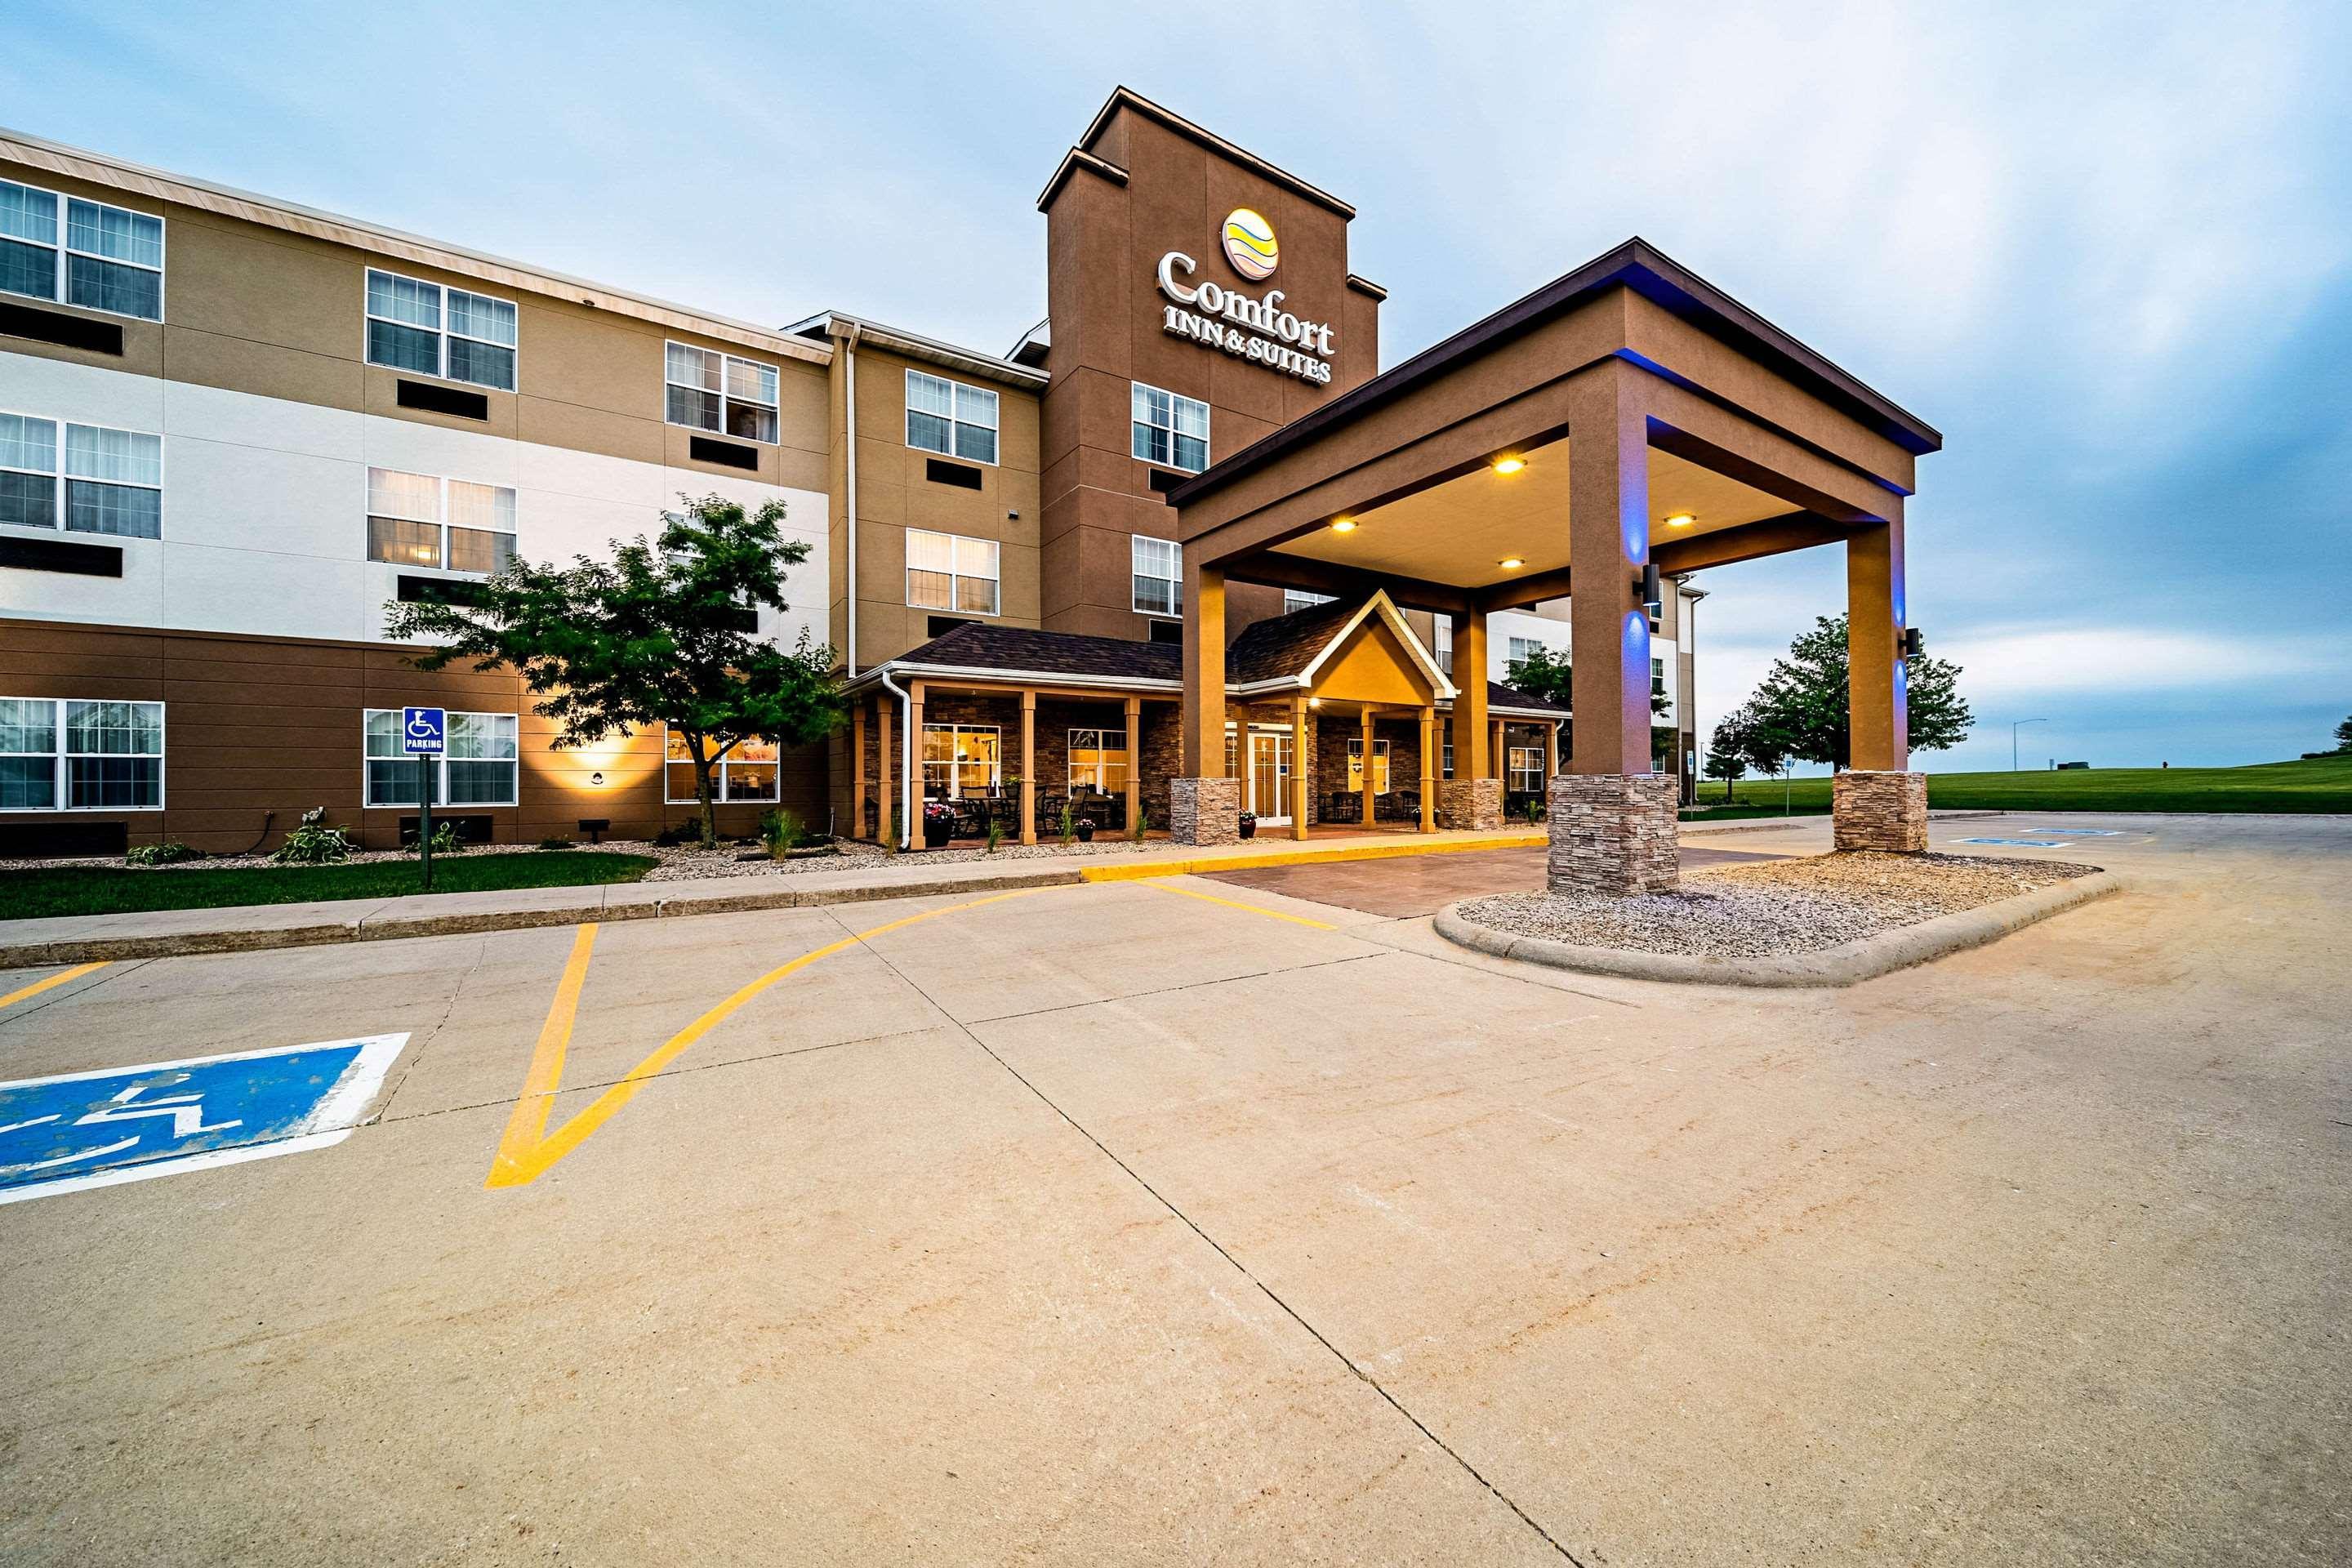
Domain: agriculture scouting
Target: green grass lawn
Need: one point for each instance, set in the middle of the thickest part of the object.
(109, 890)
(2324, 784)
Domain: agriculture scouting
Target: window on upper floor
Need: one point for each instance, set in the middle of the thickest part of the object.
(708, 390)
(1296, 599)
(1523, 648)
(430, 330)
(1657, 678)
(1170, 430)
(1158, 568)
(419, 520)
(950, 572)
(951, 418)
(478, 768)
(69, 754)
(85, 478)
(1444, 652)
(80, 252)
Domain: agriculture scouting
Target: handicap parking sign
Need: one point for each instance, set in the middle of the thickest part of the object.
(2022, 842)
(128, 1124)
(424, 730)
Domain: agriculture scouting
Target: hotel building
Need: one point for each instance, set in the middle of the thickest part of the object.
(234, 430)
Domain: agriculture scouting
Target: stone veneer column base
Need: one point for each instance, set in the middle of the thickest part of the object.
(1204, 811)
(1885, 810)
(1473, 804)
(1613, 833)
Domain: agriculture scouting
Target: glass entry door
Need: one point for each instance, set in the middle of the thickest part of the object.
(1269, 775)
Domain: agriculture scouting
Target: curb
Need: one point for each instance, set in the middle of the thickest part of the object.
(1765, 824)
(1841, 965)
(189, 945)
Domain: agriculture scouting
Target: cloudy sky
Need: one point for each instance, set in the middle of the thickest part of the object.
(2108, 250)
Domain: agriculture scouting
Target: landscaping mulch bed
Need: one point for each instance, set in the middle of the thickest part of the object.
(1771, 909)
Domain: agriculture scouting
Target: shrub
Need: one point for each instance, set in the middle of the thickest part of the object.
(555, 842)
(682, 833)
(445, 841)
(1142, 820)
(782, 831)
(1069, 824)
(995, 835)
(1535, 813)
(313, 843)
(164, 853)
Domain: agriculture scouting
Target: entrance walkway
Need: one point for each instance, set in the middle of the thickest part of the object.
(1407, 889)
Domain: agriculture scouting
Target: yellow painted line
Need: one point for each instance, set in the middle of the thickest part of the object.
(38, 987)
(527, 1151)
(1237, 904)
(1209, 865)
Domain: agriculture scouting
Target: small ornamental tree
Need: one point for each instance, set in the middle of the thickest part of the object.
(1801, 707)
(663, 632)
(1727, 750)
(2344, 736)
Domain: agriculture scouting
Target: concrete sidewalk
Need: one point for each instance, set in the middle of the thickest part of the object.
(168, 933)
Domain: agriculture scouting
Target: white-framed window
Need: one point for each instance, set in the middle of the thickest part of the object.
(80, 755)
(1443, 652)
(1098, 762)
(1159, 566)
(1380, 765)
(453, 333)
(480, 767)
(456, 525)
(748, 771)
(1296, 599)
(1523, 648)
(951, 418)
(1446, 754)
(708, 390)
(961, 760)
(1657, 678)
(88, 478)
(1526, 767)
(1171, 430)
(80, 252)
(950, 572)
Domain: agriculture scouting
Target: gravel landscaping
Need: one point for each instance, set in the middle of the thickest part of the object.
(1770, 911)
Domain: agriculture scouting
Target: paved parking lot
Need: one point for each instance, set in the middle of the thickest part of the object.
(1190, 1222)
(1426, 884)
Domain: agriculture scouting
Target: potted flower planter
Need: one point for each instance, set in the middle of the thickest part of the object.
(1249, 824)
(1086, 831)
(939, 824)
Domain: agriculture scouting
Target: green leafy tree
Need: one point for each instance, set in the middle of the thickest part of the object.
(2344, 736)
(1727, 750)
(1551, 676)
(1801, 706)
(663, 632)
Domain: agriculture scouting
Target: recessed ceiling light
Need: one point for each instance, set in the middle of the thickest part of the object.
(1507, 464)
(1510, 564)
(1680, 520)
(1343, 525)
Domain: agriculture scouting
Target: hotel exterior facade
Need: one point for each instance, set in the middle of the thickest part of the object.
(232, 430)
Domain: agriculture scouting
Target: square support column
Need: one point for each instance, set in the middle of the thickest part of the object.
(1134, 762)
(1203, 805)
(1474, 795)
(1429, 770)
(1300, 784)
(857, 770)
(1371, 798)
(1028, 767)
(1551, 751)
(1612, 817)
(883, 773)
(1878, 803)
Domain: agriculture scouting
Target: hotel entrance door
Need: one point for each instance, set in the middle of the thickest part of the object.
(1271, 761)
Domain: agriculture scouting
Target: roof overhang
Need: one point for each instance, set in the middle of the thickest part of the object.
(838, 326)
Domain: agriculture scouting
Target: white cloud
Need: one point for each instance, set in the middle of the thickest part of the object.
(1998, 664)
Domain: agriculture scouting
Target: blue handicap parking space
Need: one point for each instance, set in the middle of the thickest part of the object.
(120, 1124)
(2076, 832)
(2019, 843)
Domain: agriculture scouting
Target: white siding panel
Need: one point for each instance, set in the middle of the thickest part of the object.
(264, 424)
(266, 593)
(133, 599)
(86, 394)
(253, 498)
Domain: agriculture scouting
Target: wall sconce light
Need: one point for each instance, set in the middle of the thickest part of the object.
(1913, 644)
(596, 779)
(1653, 588)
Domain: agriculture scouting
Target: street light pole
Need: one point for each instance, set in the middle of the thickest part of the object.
(2013, 739)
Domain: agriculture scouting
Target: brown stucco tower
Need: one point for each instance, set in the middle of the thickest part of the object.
(1140, 186)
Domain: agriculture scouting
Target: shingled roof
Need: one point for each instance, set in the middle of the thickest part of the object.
(1267, 650)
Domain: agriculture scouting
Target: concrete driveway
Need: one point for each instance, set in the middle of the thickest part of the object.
(1188, 1223)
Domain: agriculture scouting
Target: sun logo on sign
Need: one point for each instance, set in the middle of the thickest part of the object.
(1249, 245)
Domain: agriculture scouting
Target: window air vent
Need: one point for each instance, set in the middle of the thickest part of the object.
(57, 327)
(442, 399)
(962, 475)
(1166, 479)
(57, 555)
(703, 449)
(414, 590)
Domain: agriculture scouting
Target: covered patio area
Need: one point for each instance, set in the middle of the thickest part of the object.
(1624, 423)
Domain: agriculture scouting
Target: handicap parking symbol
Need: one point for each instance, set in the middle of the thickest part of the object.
(2021, 843)
(130, 1125)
